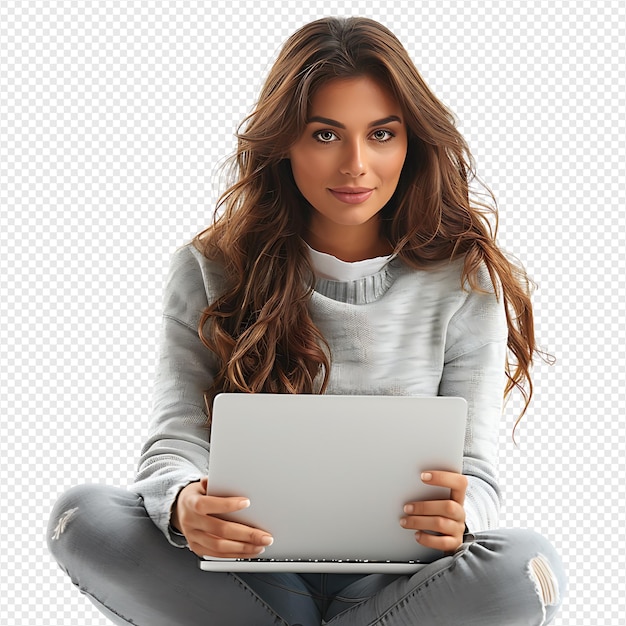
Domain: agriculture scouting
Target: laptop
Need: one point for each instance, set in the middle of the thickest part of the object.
(328, 476)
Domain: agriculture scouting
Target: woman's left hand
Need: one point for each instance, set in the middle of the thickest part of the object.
(445, 517)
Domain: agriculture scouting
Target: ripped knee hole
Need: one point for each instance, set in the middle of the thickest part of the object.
(63, 522)
(547, 585)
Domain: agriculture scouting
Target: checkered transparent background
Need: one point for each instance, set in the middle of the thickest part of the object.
(113, 118)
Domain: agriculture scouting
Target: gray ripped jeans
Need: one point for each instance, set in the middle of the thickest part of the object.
(104, 540)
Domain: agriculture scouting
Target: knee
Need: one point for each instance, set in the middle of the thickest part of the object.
(525, 554)
(539, 556)
(542, 573)
(546, 570)
(62, 522)
(64, 512)
(76, 519)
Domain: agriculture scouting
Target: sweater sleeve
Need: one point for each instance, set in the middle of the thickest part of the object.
(474, 369)
(176, 451)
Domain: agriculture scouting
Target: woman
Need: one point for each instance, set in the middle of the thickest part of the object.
(347, 258)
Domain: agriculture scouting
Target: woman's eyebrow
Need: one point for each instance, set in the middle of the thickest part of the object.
(329, 122)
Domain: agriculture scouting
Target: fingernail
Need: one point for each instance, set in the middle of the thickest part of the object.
(261, 551)
(408, 508)
(427, 476)
(403, 522)
(417, 534)
(244, 504)
(267, 540)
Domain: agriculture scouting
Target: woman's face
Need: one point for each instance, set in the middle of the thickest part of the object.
(348, 160)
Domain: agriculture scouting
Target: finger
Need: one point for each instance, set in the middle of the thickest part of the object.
(444, 508)
(434, 524)
(235, 532)
(215, 505)
(445, 543)
(457, 483)
(209, 545)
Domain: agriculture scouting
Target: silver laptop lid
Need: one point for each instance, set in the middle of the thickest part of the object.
(328, 475)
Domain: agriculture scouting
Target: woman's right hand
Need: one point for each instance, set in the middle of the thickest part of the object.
(194, 516)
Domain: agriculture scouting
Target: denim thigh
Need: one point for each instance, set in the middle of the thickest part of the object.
(103, 538)
(489, 581)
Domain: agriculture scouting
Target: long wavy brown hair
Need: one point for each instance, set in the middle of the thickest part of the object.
(260, 327)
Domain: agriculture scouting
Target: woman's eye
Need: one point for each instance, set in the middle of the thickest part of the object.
(383, 135)
(328, 136)
(324, 136)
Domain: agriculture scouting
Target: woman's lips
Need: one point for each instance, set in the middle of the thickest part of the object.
(350, 195)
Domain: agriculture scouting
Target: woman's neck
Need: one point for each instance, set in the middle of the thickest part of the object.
(350, 245)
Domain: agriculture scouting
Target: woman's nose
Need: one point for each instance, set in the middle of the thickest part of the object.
(353, 163)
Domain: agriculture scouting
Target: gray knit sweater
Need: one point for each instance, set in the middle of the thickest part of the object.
(398, 332)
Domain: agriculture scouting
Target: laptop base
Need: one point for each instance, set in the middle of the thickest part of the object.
(304, 566)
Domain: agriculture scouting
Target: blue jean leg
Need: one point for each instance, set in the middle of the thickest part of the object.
(103, 539)
(489, 581)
